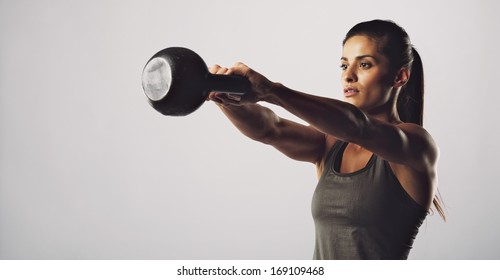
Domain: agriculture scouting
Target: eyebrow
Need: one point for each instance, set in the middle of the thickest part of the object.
(361, 57)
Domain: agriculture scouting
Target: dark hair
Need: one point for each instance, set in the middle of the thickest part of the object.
(394, 43)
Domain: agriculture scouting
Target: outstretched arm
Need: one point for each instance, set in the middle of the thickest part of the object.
(405, 144)
(297, 141)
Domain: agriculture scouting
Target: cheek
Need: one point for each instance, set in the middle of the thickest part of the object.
(368, 81)
(372, 80)
(375, 89)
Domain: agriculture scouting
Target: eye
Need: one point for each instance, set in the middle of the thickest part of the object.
(365, 65)
(343, 66)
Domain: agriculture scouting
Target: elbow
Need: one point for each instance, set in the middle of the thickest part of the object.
(267, 138)
(268, 134)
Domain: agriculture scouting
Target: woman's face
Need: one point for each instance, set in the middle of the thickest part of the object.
(365, 74)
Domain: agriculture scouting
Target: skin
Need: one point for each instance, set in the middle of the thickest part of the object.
(367, 119)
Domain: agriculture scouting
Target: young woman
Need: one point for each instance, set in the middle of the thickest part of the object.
(375, 161)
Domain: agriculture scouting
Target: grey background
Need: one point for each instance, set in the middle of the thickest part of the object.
(89, 171)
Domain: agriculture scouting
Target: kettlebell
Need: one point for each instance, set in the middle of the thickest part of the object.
(176, 82)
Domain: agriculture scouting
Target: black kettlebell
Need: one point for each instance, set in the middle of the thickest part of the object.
(176, 81)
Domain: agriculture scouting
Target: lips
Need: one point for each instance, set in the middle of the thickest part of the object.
(350, 91)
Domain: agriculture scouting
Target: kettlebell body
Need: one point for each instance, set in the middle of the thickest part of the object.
(176, 81)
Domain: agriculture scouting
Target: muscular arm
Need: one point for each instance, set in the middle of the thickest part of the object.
(259, 123)
(297, 141)
(410, 150)
(406, 144)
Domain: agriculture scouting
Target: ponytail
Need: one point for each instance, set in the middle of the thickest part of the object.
(411, 98)
(411, 107)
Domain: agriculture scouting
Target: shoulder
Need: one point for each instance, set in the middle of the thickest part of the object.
(418, 177)
(421, 146)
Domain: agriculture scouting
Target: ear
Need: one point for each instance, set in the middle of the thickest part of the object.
(402, 77)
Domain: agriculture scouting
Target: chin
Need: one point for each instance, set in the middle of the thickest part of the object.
(352, 101)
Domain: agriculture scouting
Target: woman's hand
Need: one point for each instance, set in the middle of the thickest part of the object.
(260, 86)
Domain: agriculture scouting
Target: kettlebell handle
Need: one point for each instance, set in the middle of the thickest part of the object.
(229, 84)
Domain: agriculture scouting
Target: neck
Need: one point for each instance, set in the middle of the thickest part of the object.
(388, 112)
(391, 117)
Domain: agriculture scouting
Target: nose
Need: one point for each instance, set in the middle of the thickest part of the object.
(349, 74)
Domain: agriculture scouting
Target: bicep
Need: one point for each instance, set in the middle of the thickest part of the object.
(297, 141)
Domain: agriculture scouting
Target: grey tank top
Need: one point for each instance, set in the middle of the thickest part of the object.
(363, 215)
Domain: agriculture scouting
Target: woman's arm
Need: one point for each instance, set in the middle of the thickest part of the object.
(259, 123)
(405, 144)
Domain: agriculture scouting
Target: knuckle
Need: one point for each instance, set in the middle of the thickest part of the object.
(222, 70)
(214, 68)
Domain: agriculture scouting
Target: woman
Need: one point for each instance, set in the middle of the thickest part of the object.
(375, 161)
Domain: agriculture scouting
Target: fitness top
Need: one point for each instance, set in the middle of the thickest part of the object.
(363, 215)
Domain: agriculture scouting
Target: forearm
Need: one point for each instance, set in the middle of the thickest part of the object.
(330, 116)
(254, 121)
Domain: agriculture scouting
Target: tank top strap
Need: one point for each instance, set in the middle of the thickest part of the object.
(332, 155)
